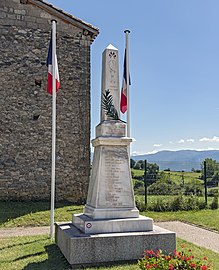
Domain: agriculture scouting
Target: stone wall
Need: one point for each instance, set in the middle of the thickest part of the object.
(25, 122)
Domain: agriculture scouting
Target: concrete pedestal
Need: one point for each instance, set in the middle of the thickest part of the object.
(96, 226)
(82, 249)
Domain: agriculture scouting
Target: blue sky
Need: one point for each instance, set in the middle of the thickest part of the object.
(174, 66)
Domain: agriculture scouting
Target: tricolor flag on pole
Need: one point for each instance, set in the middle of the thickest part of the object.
(123, 100)
(52, 87)
(50, 69)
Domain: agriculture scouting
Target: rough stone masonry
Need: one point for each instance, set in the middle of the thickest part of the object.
(25, 121)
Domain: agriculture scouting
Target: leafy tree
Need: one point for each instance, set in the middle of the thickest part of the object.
(137, 166)
(132, 163)
(216, 177)
(164, 186)
(211, 168)
(152, 172)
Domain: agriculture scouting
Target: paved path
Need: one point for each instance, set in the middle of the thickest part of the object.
(193, 234)
(21, 231)
(190, 233)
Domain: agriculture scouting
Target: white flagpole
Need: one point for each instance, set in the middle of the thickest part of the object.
(127, 82)
(53, 127)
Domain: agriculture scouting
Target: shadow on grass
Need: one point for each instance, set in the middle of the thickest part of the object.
(18, 244)
(55, 260)
(14, 209)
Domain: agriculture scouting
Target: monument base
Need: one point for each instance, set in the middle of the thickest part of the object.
(111, 213)
(83, 250)
(93, 226)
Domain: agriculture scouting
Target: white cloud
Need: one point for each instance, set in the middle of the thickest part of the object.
(181, 141)
(206, 149)
(152, 152)
(136, 153)
(190, 140)
(157, 145)
(213, 139)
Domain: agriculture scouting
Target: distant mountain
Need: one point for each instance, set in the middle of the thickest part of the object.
(179, 160)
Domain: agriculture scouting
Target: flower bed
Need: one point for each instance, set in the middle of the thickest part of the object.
(156, 260)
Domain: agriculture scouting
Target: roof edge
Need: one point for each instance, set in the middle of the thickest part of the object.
(66, 17)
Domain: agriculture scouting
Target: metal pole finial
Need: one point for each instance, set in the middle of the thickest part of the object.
(127, 31)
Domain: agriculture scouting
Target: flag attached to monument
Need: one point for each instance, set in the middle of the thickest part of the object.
(50, 70)
(123, 100)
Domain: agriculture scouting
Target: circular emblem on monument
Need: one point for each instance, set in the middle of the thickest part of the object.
(88, 225)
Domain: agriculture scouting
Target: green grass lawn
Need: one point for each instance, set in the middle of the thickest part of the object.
(15, 214)
(138, 172)
(189, 177)
(40, 253)
(205, 218)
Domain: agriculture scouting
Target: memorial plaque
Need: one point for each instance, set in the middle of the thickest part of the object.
(118, 191)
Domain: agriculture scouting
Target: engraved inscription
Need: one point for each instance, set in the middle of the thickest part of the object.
(114, 168)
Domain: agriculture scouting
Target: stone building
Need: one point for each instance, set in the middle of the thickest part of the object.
(25, 121)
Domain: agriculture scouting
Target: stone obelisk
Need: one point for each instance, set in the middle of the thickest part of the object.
(110, 77)
(110, 205)
(110, 229)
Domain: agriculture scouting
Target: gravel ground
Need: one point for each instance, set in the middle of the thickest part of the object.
(193, 234)
(190, 233)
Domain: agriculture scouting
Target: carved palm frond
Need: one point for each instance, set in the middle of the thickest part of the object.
(108, 107)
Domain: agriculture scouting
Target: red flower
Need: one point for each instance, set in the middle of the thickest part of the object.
(151, 252)
(147, 257)
(158, 253)
(171, 267)
(181, 260)
(168, 258)
(204, 267)
(193, 265)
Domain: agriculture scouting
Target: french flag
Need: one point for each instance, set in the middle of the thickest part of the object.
(50, 70)
(123, 100)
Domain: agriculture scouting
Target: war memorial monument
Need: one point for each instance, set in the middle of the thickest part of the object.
(110, 228)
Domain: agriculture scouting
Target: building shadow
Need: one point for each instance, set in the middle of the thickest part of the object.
(14, 209)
